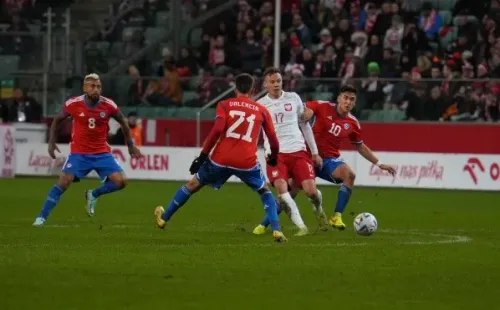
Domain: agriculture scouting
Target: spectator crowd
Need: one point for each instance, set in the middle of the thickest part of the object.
(429, 59)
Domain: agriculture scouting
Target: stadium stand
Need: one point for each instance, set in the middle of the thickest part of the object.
(411, 59)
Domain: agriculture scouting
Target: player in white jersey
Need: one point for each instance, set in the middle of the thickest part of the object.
(294, 160)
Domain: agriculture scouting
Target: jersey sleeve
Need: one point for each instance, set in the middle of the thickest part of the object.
(313, 105)
(300, 105)
(355, 136)
(271, 143)
(68, 107)
(220, 111)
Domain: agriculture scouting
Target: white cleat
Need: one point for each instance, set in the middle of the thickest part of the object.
(91, 203)
(39, 222)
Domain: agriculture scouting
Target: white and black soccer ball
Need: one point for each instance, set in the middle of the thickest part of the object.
(365, 224)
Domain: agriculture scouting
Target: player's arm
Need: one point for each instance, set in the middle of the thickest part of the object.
(59, 118)
(270, 133)
(132, 148)
(306, 129)
(366, 152)
(309, 111)
(211, 140)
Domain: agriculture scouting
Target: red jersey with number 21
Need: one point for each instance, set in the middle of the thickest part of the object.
(330, 129)
(244, 118)
(90, 124)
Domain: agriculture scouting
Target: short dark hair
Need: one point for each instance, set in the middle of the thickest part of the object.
(271, 70)
(348, 89)
(244, 83)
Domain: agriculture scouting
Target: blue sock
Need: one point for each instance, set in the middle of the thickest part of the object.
(265, 222)
(180, 198)
(342, 198)
(50, 202)
(105, 188)
(271, 209)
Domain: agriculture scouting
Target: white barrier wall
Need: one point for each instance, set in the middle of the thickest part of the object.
(415, 170)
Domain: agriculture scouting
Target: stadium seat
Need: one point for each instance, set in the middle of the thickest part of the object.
(207, 114)
(9, 64)
(190, 95)
(117, 48)
(323, 96)
(365, 114)
(163, 19)
(196, 37)
(129, 32)
(154, 34)
(185, 112)
(445, 5)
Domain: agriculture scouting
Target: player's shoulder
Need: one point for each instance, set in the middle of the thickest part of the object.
(108, 102)
(74, 100)
(353, 119)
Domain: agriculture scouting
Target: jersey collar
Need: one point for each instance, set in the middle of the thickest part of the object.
(88, 102)
(279, 98)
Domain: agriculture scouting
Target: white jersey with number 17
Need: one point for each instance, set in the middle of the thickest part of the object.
(286, 111)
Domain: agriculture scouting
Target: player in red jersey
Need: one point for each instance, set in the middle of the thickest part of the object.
(235, 135)
(332, 123)
(89, 149)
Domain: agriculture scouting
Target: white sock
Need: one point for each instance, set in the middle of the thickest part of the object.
(317, 203)
(294, 210)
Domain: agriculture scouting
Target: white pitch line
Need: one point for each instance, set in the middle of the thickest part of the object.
(443, 238)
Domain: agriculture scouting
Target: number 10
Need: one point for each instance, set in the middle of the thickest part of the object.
(335, 129)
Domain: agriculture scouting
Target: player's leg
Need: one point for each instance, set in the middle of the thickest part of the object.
(208, 174)
(279, 176)
(305, 175)
(73, 169)
(256, 180)
(340, 171)
(114, 179)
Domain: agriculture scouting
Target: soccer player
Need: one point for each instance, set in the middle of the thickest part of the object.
(294, 161)
(332, 124)
(89, 149)
(235, 135)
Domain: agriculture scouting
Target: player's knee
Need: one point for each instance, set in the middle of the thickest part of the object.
(350, 177)
(193, 185)
(281, 186)
(121, 183)
(65, 180)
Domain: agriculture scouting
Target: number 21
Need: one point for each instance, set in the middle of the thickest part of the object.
(241, 118)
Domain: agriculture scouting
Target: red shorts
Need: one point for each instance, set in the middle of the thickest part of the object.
(297, 166)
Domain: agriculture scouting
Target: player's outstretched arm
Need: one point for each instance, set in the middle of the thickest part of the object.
(132, 148)
(61, 116)
(368, 154)
(311, 142)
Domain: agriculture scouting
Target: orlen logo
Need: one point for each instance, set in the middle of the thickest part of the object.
(474, 162)
(156, 162)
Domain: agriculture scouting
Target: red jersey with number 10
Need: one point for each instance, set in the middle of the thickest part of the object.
(244, 118)
(90, 124)
(330, 129)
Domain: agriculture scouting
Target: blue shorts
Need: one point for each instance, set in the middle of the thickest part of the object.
(329, 166)
(80, 165)
(216, 175)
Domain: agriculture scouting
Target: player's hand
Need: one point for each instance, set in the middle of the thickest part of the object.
(52, 148)
(318, 161)
(307, 115)
(134, 151)
(388, 168)
(272, 159)
(197, 162)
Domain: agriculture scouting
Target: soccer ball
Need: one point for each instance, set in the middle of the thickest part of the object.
(365, 224)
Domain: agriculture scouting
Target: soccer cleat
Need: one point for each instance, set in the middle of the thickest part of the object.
(39, 221)
(322, 220)
(336, 222)
(259, 230)
(160, 222)
(278, 236)
(91, 203)
(302, 232)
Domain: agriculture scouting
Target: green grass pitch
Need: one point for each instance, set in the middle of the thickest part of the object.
(434, 250)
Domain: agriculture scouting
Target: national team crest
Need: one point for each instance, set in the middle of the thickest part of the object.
(102, 114)
(346, 126)
(288, 107)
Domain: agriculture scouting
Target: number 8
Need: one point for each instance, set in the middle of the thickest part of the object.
(91, 123)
